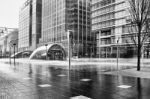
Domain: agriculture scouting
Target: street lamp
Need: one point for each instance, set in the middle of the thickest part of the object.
(91, 51)
(46, 50)
(69, 51)
(0, 51)
(10, 54)
(14, 52)
(117, 52)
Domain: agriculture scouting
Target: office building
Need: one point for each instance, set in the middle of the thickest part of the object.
(45, 22)
(59, 16)
(109, 19)
(30, 25)
(8, 37)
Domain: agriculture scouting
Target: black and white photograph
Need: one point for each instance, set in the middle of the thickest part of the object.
(74, 49)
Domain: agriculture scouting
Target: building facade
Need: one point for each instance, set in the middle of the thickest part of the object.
(8, 37)
(30, 24)
(36, 22)
(109, 19)
(59, 16)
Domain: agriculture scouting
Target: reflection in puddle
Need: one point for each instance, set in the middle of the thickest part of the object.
(83, 80)
(139, 88)
(124, 86)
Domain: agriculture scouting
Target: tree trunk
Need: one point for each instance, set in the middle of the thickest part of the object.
(139, 49)
(139, 60)
(147, 53)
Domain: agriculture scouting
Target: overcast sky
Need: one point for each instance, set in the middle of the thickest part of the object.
(9, 13)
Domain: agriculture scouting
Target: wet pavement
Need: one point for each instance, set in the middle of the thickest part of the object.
(32, 81)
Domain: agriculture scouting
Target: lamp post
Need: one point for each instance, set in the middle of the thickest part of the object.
(91, 52)
(46, 50)
(1, 52)
(10, 54)
(14, 53)
(117, 53)
(69, 48)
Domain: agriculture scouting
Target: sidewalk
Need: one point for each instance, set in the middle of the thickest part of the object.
(59, 84)
(144, 73)
(86, 61)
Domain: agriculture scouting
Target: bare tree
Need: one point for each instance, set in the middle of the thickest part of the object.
(139, 26)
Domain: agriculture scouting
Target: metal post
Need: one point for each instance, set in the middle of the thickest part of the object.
(69, 49)
(106, 52)
(14, 54)
(117, 54)
(16, 50)
(10, 55)
(90, 52)
(46, 50)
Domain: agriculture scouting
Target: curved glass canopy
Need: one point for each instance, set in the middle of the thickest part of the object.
(53, 52)
(22, 54)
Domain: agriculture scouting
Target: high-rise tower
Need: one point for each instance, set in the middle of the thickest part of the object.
(30, 25)
(59, 16)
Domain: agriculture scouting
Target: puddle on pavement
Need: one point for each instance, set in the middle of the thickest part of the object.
(94, 85)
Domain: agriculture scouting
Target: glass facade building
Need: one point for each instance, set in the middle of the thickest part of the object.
(29, 25)
(59, 16)
(24, 36)
(8, 37)
(36, 22)
(109, 19)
